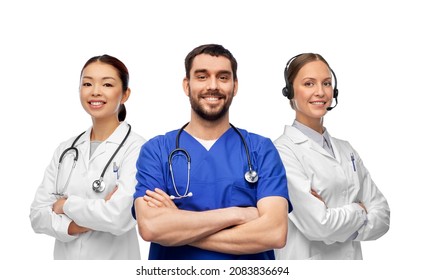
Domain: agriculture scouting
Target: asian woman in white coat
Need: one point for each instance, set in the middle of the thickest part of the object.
(85, 198)
(336, 204)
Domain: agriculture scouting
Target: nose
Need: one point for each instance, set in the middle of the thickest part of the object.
(213, 84)
(96, 90)
(320, 90)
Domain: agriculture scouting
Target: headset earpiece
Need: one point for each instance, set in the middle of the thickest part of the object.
(286, 92)
(335, 90)
(335, 93)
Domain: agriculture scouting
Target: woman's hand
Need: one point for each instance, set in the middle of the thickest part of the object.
(73, 227)
(109, 195)
(363, 206)
(314, 193)
(58, 205)
(76, 229)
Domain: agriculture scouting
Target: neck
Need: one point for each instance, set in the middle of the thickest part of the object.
(102, 129)
(315, 124)
(207, 130)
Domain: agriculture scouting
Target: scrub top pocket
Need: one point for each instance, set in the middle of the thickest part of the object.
(243, 196)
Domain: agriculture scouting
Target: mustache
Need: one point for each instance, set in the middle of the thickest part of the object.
(215, 93)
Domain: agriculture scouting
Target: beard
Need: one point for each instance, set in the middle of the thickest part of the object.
(205, 112)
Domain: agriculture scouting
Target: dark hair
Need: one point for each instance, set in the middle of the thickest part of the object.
(299, 61)
(211, 49)
(123, 75)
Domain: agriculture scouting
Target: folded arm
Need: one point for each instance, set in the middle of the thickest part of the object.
(43, 218)
(267, 232)
(170, 226)
(312, 216)
(112, 213)
(378, 210)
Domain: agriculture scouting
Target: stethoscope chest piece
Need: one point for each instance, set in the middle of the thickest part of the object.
(251, 176)
(99, 186)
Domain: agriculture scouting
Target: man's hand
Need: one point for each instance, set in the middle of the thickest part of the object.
(158, 198)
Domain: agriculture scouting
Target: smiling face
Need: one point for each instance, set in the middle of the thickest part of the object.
(211, 87)
(313, 93)
(101, 91)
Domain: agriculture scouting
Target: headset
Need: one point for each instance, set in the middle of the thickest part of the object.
(288, 89)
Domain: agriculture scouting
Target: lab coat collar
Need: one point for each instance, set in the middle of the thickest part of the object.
(295, 135)
(116, 137)
(119, 133)
(299, 138)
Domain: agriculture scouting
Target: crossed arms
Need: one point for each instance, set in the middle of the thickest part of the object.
(232, 230)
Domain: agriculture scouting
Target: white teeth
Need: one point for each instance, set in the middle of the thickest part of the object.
(96, 103)
(318, 102)
(211, 98)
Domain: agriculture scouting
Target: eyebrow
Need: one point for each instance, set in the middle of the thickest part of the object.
(104, 78)
(219, 72)
(200, 71)
(315, 79)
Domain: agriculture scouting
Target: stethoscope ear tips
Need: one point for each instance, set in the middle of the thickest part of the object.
(251, 176)
(190, 194)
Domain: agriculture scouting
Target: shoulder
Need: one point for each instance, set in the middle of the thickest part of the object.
(290, 137)
(258, 143)
(78, 138)
(253, 137)
(161, 142)
(125, 130)
(340, 142)
(67, 144)
(134, 137)
(162, 138)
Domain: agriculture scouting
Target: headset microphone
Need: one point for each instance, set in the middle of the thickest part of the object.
(332, 107)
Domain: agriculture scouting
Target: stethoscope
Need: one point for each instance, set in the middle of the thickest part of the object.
(98, 185)
(251, 176)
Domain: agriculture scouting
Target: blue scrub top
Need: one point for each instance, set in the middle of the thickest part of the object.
(216, 180)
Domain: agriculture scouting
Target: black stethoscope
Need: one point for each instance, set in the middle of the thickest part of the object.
(251, 176)
(98, 185)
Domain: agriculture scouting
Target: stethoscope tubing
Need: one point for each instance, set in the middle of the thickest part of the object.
(114, 154)
(98, 185)
(67, 150)
(251, 176)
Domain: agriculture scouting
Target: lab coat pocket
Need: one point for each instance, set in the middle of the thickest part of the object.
(243, 196)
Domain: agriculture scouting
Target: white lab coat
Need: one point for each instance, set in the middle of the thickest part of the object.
(113, 233)
(318, 232)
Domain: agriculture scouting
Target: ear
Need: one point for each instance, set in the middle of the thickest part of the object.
(126, 95)
(235, 87)
(186, 86)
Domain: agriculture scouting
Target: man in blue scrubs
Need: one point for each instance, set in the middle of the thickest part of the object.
(192, 200)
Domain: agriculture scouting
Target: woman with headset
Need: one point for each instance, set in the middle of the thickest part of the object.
(336, 204)
(85, 198)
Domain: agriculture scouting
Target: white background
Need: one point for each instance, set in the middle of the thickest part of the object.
(374, 47)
